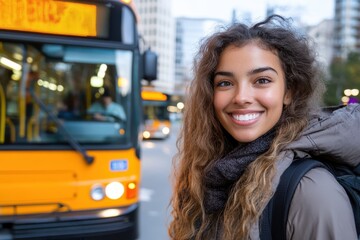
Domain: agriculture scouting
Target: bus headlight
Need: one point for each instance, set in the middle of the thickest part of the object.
(97, 192)
(146, 134)
(114, 190)
(165, 130)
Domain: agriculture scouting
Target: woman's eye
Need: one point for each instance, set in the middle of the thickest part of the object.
(223, 84)
(263, 81)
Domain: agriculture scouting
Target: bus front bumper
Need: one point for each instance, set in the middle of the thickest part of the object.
(115, 223)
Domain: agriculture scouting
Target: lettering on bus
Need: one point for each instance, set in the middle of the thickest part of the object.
(49, 16)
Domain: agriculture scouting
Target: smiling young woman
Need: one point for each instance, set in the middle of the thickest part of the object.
(252, 109)
(249, 95)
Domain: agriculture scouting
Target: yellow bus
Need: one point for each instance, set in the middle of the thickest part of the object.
(157, 123)
(66, 173)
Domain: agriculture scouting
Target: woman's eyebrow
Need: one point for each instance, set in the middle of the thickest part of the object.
(261, 69)
(252, 72)
(222, 73)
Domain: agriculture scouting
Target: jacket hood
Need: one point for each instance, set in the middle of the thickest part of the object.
(333, 135)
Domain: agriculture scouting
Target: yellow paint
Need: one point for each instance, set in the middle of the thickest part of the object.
(33, 178)
(153, 96)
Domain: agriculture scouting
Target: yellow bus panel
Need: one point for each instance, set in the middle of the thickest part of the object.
(38, 181)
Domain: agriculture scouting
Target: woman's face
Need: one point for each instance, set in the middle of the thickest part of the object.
(249, 91)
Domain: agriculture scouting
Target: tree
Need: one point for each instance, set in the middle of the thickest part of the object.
(344, 74)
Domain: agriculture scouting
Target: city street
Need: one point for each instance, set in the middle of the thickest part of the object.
(82, 80)
(156, 186)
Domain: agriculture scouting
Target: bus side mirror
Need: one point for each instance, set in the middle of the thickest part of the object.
(149, 65)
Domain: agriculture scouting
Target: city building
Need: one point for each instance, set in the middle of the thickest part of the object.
(322, 36)
(156, 26)
(189, 34)
(295, 13)
(347, 31)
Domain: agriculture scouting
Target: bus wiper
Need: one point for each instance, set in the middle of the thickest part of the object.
(73, 142)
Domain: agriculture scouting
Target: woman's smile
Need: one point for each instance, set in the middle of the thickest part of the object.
(246, 118)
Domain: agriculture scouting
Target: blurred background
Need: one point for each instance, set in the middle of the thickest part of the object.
(174, 30)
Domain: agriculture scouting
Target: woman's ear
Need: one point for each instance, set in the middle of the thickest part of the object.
(287, 98)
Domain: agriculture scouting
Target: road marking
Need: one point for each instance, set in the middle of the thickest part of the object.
(145, 194)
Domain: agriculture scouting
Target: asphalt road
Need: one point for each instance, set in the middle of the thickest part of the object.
(156, 186)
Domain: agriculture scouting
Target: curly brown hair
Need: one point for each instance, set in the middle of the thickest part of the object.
(202, 138)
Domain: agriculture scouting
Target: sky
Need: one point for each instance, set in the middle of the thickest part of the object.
(311, 12)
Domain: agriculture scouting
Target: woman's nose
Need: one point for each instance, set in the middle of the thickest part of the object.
(243, 94)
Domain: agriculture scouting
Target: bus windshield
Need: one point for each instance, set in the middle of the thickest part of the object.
(86, 90)
(156, 114)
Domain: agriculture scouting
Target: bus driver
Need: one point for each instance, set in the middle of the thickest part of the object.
(106, 109)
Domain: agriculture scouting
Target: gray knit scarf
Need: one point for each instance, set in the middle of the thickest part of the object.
(222, 175)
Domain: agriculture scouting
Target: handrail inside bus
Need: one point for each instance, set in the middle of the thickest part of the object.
(29, 128)
(70, 138)
(12, 130)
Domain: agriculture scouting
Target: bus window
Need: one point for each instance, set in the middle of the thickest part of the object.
(68, 80)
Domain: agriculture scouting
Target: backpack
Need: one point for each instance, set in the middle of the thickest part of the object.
(274, 217)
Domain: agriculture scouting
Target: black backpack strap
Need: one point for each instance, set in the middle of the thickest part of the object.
(282, 198)
(357, 169)
(265, 222)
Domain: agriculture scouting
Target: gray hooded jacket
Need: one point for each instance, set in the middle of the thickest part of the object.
(320, 209)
